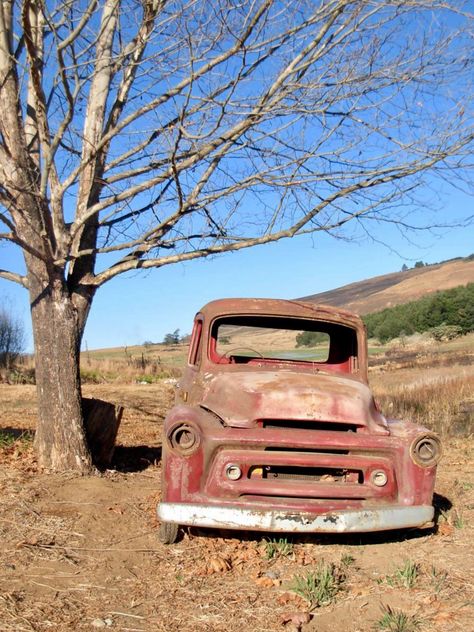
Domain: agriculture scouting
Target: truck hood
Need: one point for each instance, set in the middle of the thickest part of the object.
(241, 399)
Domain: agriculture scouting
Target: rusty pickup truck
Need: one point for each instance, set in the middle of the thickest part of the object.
(275, 429)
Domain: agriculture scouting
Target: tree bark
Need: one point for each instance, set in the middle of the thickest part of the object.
(61, 441)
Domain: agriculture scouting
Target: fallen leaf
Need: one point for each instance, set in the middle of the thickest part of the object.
(219, 564)
(287, 597)
(359, 591)
(443, 616)
(295, 618)
(445, 528)
(284, 598)
(266, 582)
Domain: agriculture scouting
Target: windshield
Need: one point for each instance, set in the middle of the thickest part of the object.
(240, 339)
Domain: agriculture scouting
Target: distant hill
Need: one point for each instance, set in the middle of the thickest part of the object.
(379, 292)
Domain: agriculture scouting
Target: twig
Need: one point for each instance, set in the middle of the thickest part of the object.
(127, 614)
(78, 548)
(58, 589)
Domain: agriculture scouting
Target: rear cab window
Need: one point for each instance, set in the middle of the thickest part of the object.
(256, 339)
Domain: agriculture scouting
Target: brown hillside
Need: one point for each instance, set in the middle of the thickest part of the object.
(388, 290)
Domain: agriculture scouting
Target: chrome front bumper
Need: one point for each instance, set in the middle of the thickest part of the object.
(348, 521)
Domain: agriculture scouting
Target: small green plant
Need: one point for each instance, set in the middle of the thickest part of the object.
(458, 519)
(438, 579)
(318, 587)
(146, 379)
(347, 560)
(396, 621)
(408, 574)
(277, 547)
(462, 486)
(455, 518)
(7, 439)
(405, 576)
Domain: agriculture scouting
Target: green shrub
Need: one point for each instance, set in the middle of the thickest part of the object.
(452, 310)
(90, 376)
(445, 332)
(310, 338)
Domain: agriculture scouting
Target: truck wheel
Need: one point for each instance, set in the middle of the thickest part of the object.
(168, 532)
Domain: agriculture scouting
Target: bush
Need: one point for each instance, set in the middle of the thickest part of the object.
(91, 376)
(310, 338)
(446, 332)
(172, 339)
(452, 308)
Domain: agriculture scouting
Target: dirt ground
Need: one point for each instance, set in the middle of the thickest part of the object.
(80, 553)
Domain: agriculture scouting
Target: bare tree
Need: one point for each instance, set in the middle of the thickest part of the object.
(136, 134)
(12, 337)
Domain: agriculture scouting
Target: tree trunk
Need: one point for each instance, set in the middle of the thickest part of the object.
(57, 327)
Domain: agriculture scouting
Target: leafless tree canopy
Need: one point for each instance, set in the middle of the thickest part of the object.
(12, 337)
(135, 134)
(154, 131)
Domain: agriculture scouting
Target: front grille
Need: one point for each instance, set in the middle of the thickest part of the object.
(326, 475)
(323, 468)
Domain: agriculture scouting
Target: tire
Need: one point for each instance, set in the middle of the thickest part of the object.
(168, 532)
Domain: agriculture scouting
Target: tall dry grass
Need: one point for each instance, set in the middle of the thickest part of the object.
(443, 403)
(431, 386)
(120, 367)
(108, 370)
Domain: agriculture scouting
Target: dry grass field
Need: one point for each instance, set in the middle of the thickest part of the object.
(81, 553)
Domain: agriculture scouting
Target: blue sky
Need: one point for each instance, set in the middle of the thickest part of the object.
(145, 306)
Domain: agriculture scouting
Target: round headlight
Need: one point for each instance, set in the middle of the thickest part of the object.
(184, 438)
(426, 450)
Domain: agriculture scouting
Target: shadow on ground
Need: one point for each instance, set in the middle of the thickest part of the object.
(135, 458)
(349, 539)
(442, 505)
(15, 434)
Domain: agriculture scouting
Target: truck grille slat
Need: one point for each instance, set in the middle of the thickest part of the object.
(289, 424)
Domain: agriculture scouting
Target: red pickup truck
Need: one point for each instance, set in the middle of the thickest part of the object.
(275, 429)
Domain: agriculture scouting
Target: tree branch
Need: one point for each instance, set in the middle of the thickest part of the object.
(15, 278)
(137, 263)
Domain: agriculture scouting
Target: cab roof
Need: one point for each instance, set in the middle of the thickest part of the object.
(280, 307)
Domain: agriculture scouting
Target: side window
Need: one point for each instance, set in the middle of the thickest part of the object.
(195, 345)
